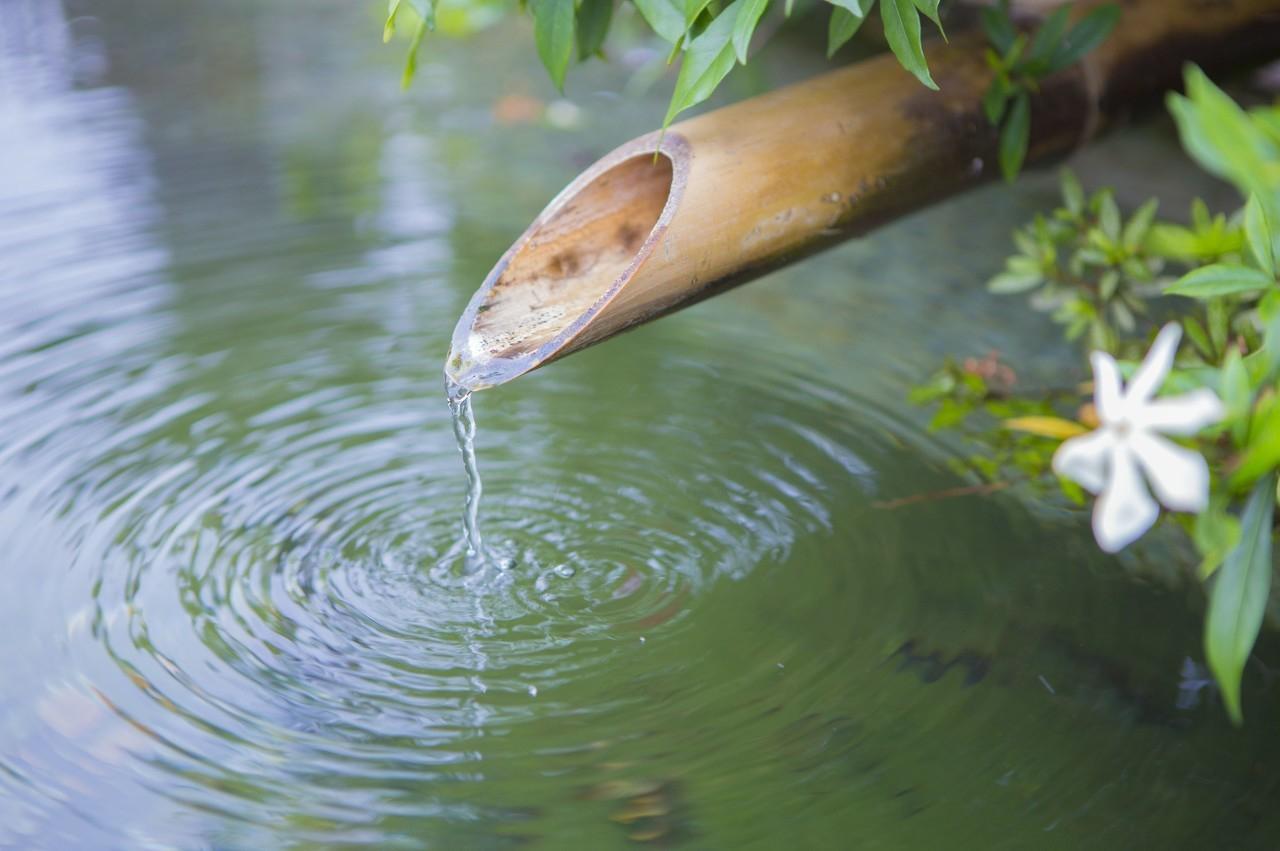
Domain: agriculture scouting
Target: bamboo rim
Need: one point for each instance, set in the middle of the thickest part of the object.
(474, 363)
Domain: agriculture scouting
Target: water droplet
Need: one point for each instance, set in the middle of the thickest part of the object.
(564, 571)
(533, 691)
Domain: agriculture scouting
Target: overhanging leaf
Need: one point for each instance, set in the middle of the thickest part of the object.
(411, 58)
(389, 28)
(594, 17)
(857, 8)
(1239, 597)
(692, 9)
(902, 31)
(553, 31)
(745, 26)
(846, 20)
(707, 60)
(664, 18)
(929, 8)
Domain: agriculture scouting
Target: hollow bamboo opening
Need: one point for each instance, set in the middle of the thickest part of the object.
(567, 265)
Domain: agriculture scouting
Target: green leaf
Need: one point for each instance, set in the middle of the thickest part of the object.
(411, 58)
(594, 17)
(1197, 335)
(1222, 137)
(1174, 242)
(1262, 455)
(1072, 192)
(389, 28)
(1216, 533)
(745, 26)
(842, 27)
(995, 99)
(1045, 41)
(1007, 283)
(553, 30)
(708, 59)
(1219, 320)
(692, 9)
(1015, 136)
(1109, 216)
(1219, 279)
(1135, 232)
(1257, 230)
(857, 8)
(1091, 31)
(902, 31)
(425, 10)
(664, 18)
(1237, 395)
(929, 8)
(1239, 597)
(998, 27)
(1269, 313)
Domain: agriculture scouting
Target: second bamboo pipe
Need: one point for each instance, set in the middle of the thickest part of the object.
(741, 190)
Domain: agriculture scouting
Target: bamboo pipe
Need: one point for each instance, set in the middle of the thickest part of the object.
(736, 192)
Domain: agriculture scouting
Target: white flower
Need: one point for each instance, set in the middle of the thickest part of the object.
(1113, 459)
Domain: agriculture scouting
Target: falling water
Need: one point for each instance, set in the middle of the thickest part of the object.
(464, 430)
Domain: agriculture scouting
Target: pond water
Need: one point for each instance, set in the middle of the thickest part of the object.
(231, 256)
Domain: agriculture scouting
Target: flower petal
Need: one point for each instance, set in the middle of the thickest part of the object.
(1125, 510)
(1156, 365)
(1084, 459)
(1107, 397)
(1179, 476)
(1181, 415)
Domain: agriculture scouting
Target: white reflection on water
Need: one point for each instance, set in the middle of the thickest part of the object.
(79, 264)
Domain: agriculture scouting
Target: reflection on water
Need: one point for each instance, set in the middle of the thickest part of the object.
(230, 258)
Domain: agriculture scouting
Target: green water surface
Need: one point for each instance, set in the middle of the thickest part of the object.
(231, 256)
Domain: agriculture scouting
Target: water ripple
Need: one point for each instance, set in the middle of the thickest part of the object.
(231, 513)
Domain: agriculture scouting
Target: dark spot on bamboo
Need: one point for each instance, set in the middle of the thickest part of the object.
(630, 237)
(564, 265)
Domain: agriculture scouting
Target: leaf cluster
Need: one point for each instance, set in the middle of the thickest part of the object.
(709, 37)
(1085, 264)
(1103, 276)
(1021, 62)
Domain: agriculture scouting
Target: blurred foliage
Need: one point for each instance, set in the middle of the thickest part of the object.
(712, 37)
(1020, 62)
(1102, 276)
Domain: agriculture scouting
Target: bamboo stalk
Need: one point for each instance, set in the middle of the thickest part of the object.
(741, 190)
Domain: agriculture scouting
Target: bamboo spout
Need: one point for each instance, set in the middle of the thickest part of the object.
(667, 220)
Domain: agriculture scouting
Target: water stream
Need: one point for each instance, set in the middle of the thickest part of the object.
(464, 431)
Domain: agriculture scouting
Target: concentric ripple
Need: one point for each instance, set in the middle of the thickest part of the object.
(238, 610)
(284, 605)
